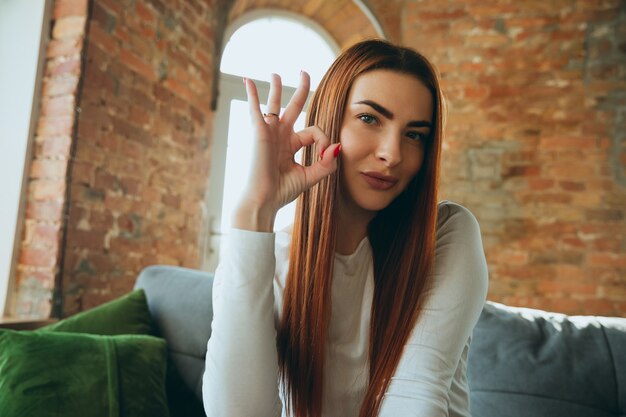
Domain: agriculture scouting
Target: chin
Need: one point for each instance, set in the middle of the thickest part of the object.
(375, 203)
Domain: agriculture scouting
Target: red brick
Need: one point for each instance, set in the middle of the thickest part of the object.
(113, 6)
(46, 234)
(69, 27)
(608, 244)
(147, 33)
(86, 239)
(48, 169)
(523, 170)
(566, 170)
(599, 307)
(568, 142)
(138, 65)
(60, 85)
(65, 67)
(55, 126)
(83, 172)
(572, 185)
(605, 215)
(574, 242)
(103, 39)
(139, 116)
(45, 210)
(37, 257)
(540, 184)
(44, 277)
(53, 146)
(65, 8)
(546, 198)
(179, 89)
(122, 34)
(606, 259)
(614, 292)
(48, 189)
(146, 14)
(58, 106)
(563, 305)
(570, 273)
(64, 47)
(567, 288)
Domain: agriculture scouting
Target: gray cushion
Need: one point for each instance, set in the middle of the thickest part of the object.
(180, 301)
(531, 363)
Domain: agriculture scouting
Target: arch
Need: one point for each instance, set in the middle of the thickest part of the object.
(274, 51)
(260, 13)
(346, 21)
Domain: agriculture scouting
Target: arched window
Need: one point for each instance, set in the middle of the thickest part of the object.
(259, 44)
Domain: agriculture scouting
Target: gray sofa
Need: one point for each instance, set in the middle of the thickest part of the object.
(522, 362)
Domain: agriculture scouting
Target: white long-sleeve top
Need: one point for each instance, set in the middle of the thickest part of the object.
(241, 376)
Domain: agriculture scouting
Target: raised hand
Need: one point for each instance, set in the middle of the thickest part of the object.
(275, 178)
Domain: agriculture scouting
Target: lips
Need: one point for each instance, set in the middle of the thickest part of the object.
(379, 181)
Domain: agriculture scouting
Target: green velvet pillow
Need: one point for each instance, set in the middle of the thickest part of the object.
(47, 374)
(128, 314)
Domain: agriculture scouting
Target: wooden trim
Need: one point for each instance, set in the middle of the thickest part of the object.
(24, 324)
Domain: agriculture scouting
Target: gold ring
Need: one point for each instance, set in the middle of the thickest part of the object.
(270, 114)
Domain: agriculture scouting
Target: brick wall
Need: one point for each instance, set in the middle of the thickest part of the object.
(137, 129)
(535, 142)
(41, 249)
(142, 148)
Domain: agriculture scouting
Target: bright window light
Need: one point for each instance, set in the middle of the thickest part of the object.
(239, 161)
(277, 45)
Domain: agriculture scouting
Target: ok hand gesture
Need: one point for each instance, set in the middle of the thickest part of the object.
(275, 178)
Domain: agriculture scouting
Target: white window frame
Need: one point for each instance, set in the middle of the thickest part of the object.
(231, 88)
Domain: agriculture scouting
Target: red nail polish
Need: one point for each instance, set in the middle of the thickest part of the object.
(337, 150)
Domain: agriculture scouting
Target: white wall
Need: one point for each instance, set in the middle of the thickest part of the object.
(22, 24)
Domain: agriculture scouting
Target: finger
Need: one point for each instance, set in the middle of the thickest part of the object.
(309, 136)
(254, 106)
(296, 104)
(324, 167)
(273, 100)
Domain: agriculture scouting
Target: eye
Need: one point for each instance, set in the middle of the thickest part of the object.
(417, 136)
(367, 118)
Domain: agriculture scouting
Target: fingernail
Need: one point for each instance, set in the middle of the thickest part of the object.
(337, 150)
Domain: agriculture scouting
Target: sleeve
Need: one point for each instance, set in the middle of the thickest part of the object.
(421, 384)
(241, 374)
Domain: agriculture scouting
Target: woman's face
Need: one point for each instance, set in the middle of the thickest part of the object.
(386, 121)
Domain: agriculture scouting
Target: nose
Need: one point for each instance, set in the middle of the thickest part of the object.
(388, 149)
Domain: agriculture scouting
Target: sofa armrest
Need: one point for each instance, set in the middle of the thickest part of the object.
(180, 302)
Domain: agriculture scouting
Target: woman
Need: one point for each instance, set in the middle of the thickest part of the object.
(366, 308)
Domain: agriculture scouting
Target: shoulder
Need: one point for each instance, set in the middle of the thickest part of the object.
(453, 216)
(459, 253)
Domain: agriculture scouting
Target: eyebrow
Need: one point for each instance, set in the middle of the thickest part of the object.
(389, 115)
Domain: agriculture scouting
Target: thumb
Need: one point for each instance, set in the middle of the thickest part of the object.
(324, 167)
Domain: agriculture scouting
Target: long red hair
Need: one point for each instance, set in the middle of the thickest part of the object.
(402, 237)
